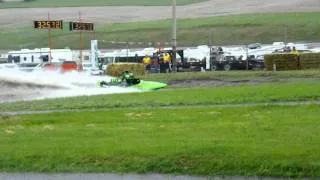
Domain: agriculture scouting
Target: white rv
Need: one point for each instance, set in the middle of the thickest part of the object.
(36, 56)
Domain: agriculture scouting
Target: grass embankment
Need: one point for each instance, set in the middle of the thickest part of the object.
(234, 75)
(271, 92)
(265, 141)
(236, 29)
(79, 3)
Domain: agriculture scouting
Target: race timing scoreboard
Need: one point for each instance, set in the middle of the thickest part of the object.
(80, 26)
(48, 24)
(58, 24)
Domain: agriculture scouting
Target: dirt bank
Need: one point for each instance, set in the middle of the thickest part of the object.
(229, 82)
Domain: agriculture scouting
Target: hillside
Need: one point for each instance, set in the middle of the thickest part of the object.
(103, 15)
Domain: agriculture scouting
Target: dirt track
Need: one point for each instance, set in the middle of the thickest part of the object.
(104, 15)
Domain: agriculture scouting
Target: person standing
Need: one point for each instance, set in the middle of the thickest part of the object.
(296, 53)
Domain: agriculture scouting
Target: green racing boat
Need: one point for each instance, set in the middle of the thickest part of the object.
(127, 79)
(142, 85)
(149, 85)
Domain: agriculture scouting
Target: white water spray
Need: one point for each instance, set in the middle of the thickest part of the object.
(17, 85)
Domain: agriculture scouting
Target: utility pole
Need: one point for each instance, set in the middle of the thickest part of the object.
(174, 36)
(127, 51)
(210, 38)
(247, 62)
(285, 36)
(210, 51)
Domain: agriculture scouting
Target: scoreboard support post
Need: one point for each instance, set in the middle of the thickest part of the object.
(81, 44)
(49, 40)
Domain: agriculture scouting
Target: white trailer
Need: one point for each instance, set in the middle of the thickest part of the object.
(36, 56)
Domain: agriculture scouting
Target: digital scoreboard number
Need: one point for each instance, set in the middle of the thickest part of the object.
(79, 26)
(48, 24)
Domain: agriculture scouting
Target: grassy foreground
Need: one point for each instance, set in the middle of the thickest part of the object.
(79, 3)
(270, 92)
(237, 29)
(265, 141)
(233, 75)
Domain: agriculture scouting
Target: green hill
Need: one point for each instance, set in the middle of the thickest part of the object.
(236, 29)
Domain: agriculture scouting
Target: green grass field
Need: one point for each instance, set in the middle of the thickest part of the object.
(233, 75)
(264, 141)
(79, 3)
(240, 29)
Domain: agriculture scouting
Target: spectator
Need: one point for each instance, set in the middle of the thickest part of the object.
(294, 51)
(147, 62)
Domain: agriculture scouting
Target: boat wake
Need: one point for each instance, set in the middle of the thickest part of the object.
(17, 85)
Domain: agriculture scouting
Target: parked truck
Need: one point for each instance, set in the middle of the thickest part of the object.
(220, 60)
